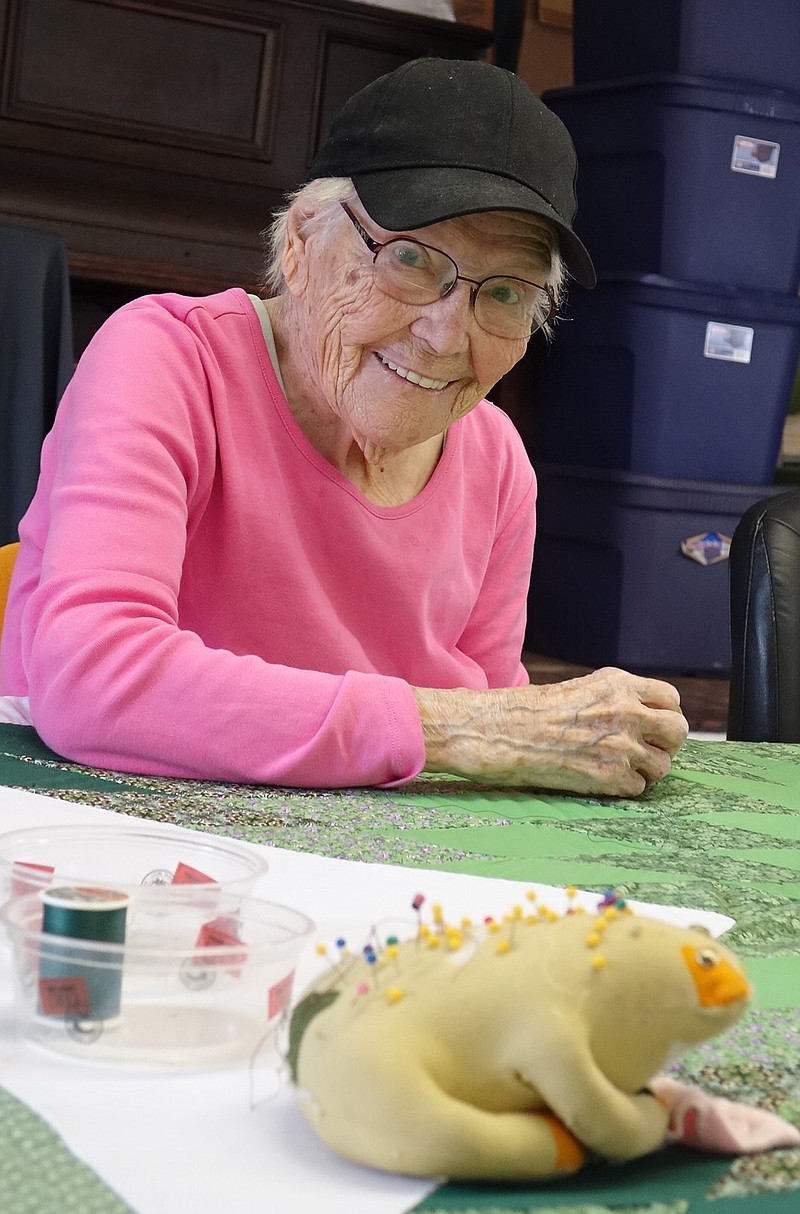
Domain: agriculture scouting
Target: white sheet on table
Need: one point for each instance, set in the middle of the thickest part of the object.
(168, 1141)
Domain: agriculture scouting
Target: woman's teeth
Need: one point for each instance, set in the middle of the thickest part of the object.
(422, 380)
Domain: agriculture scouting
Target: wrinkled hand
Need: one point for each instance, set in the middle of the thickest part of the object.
(608, 732)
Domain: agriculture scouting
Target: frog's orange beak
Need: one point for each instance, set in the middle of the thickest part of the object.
(718, 983)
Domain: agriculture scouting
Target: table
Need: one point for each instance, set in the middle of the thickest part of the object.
(722, 832)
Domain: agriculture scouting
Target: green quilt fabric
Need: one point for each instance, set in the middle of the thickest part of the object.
(722, 832)
(38, 1175)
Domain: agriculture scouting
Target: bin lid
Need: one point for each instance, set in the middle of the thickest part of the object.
(699, 92)
(635, 489)
(740, 303)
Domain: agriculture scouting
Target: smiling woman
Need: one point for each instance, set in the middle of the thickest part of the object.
(288, 539)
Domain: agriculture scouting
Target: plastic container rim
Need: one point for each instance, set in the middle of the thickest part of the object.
(13, 912)
(37, 835)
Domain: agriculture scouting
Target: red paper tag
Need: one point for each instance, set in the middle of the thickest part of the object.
(20, 885)
(64, 996)
(279, 995)
(217, 933)
(186, 875)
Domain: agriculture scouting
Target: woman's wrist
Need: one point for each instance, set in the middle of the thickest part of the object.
(465, 731)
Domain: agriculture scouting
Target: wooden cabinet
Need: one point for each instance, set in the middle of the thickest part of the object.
(156, 135)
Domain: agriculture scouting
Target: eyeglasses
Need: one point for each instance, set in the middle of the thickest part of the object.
(416, 273)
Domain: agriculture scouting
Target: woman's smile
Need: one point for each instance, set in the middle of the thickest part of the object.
(414, 377)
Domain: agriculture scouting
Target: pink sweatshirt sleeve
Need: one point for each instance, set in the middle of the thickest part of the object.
(113, 680)
(495, 633)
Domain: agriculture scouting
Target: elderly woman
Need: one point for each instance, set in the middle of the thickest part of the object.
(289, 541)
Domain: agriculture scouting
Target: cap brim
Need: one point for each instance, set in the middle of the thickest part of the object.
(405, 199)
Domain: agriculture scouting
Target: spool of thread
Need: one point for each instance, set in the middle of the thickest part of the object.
(77, 983)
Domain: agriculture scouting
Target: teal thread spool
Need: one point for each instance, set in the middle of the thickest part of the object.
(79, 983)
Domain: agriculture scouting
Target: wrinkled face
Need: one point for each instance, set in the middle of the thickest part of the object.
(396, 374)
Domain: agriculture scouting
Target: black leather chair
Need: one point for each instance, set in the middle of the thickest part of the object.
(764, 703)
(36, 359)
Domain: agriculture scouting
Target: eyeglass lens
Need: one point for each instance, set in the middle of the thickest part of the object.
(415, 273)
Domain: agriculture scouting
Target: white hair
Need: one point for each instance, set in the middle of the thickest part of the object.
(321, 200)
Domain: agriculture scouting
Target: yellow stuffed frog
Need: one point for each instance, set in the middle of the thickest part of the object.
(511, 1052)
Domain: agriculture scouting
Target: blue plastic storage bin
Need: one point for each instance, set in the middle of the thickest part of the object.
(693, 179)
(611, 584)
(667, 379)
(747, 40)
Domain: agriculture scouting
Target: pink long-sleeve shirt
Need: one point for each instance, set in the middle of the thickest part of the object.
(200, 593)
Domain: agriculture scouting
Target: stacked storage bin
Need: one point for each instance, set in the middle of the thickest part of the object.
(659, 409)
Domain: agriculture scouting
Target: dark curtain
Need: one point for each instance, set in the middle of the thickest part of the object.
(36, 360)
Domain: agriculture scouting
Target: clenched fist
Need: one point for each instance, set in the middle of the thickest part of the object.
(608, 732)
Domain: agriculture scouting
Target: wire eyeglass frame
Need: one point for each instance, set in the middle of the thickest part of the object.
(376, 248)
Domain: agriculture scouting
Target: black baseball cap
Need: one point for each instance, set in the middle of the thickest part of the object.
(438, 138)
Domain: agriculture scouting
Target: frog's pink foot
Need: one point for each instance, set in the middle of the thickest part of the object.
(570, 1154)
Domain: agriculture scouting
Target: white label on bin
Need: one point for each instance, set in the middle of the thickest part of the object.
(758, 157)
(731, 342)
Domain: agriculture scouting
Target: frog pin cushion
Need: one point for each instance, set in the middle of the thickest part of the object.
(511, 1051)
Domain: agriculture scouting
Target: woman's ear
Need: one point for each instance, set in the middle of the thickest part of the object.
(295, 253)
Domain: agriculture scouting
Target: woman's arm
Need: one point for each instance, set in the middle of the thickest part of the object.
(130, 474)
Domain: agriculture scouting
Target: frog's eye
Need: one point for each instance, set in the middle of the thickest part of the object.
(707, 958)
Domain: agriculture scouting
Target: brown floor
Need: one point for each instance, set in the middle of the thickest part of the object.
(704, 700)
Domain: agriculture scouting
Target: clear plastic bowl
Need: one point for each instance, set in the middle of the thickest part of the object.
(195, 985)
(141, 860)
